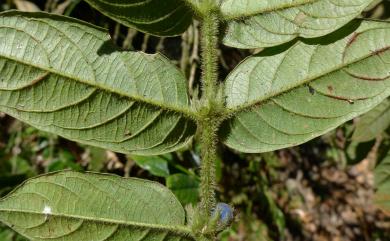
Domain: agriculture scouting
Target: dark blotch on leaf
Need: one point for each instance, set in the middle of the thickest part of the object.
(311, 90)
(330, 88)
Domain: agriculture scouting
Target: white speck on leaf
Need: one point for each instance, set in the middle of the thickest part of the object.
(46, 211)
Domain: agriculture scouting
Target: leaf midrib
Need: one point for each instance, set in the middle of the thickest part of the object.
(186, 112)
(172, 228)
(248, 105)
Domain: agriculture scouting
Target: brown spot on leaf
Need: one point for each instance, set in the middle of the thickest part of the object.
(330, 88)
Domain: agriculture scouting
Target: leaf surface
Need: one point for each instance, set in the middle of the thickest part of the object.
(258, 24)
(70, 206)
(162, 18)
(373, 123)
(285, 98)
(6, 234)
(65, 77)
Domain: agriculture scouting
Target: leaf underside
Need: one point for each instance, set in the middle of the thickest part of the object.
(71, 206)
(382, 185)
(64, 76)
(373, 123)
(162, 18)
(258, 24)
(288, 98)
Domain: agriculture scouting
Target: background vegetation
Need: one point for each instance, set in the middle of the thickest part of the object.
(322, 190)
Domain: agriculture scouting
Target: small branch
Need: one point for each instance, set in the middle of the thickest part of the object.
(160, 45)
(145, 42)
(128, 42)
(185, 51)
(117, 31)
(194, 56)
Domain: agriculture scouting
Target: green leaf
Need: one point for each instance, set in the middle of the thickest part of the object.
(286, 98)
(7, 234)
(382, 184)
(185, 187)
(156, 165)
(64, 76)
(373, 123)
(75, 206)
(258, 24)
(162, 18)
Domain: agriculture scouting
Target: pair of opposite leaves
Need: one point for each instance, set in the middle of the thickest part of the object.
(132, 102)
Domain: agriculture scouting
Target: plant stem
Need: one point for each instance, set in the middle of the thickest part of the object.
(210, 55)
(209, 121)
(211, 114)
(208, 173)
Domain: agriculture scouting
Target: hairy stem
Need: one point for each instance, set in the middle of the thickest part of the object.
(210, 56)
(209, 121)
(211, 114)
(208, 176)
